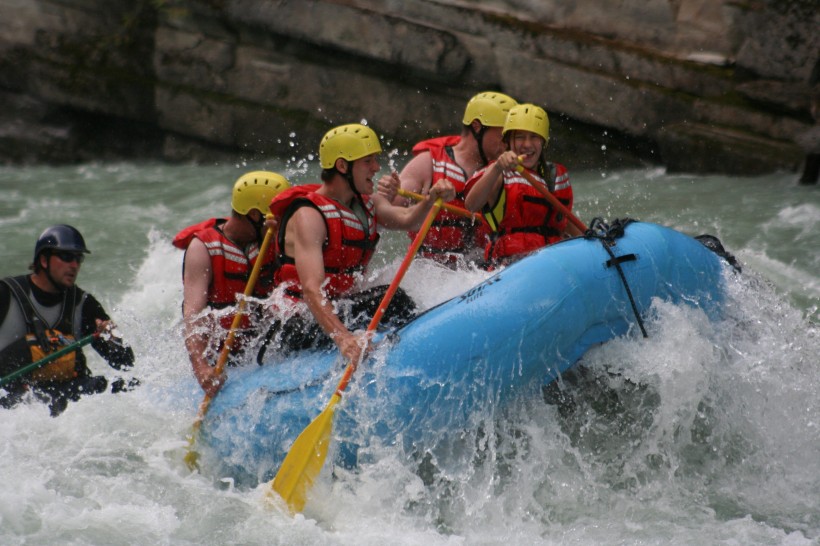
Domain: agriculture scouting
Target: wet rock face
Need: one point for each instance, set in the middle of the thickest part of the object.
(658, 81)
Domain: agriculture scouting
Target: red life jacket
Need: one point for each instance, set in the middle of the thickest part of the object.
(450, 233)
(347, 249)
(230, 266)
(529, 221)
(186, 235)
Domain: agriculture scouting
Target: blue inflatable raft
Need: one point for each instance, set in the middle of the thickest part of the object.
(505, 337)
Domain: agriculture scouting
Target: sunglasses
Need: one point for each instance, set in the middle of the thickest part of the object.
(69, 257)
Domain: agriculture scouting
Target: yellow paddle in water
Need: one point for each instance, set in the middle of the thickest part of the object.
(192, 457)
(307, 455)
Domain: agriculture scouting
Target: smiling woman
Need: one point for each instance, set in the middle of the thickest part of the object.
(508, 191)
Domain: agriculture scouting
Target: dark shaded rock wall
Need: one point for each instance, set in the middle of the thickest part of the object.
(696, 85)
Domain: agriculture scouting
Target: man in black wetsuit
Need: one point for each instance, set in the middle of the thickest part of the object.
(46, 310)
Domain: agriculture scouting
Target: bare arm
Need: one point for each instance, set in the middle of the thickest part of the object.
(195, 282)
(389, 188)
(416, 176)
(304, 236)
(484, 191)
(394, 217)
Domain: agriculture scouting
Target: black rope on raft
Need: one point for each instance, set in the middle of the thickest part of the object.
(607, 234)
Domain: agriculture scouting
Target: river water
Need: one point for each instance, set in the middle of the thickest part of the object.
(704, 433)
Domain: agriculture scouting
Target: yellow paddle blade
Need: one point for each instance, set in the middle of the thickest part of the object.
(191, 456)
(305, 459)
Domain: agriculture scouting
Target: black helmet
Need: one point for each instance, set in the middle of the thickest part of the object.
(60, 237)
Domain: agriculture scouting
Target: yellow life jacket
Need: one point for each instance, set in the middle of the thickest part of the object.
(60, 369)
(43, 339)
(496, 214)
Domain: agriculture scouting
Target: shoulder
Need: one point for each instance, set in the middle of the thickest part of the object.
(307, 228)
(477, 175)
(5, 300)
(195, 247)
(197, 258)
(5, 291)
(20, 280)
(435, 143)
(561, 176)
(280, 204)
(307, 215)
(186, 235)
(418, 172)
(92, 308)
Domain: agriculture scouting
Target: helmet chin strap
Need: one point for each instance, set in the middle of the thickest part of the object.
(257, 226)
(51, 279)
(349, 177)
(479, 138)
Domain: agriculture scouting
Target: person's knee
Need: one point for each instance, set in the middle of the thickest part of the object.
(93, 385)
(402, 308)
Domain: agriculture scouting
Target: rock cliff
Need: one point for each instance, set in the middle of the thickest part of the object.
(695, 85)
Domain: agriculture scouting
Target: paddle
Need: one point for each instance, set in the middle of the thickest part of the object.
(191, 457)
(48, 358)
(450, 208)
(543, 190)
(307, 455)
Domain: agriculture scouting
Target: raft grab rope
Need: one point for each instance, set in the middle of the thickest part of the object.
(606, 234)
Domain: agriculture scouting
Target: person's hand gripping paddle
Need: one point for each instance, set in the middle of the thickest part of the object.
(543, 190)
(192, 457)
(307, 455)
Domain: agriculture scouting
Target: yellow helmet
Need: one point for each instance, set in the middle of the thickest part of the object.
(489, 107)
(350, 142)
(528, 117)
(254, 190)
